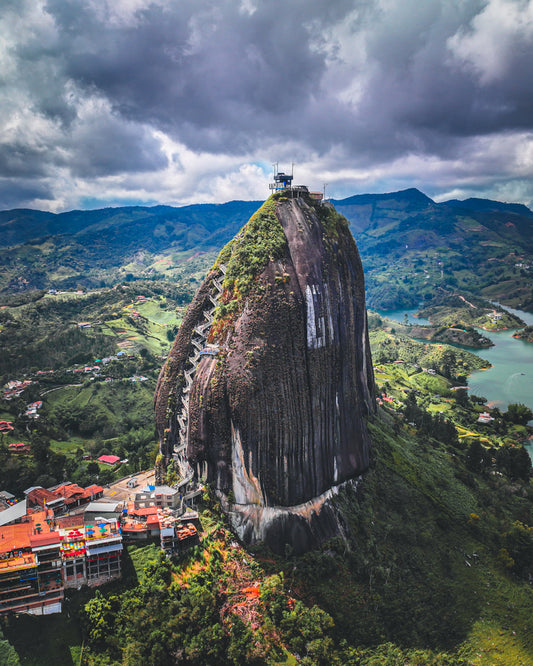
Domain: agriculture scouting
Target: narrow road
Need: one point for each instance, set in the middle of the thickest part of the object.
(60, 387)
(468, 302)
(119, 491)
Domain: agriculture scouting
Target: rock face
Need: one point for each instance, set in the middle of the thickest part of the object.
(273, 410)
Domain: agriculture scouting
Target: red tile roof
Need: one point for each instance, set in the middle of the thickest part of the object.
(109, 460)
(94, 490)
(19, 446)
(14, 536)
(68, 490)
(68, 522)
(45, 539)
(22, 535)
(40, 496)
(145, 511)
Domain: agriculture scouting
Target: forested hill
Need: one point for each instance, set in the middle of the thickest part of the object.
(132, 223)
(87, 249)
(411, 246)
(401, 213)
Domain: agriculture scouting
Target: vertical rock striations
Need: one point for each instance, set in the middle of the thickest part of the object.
(275, 382)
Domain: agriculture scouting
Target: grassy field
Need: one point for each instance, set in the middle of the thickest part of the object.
(146, 329)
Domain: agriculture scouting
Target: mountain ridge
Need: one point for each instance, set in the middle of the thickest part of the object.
(77, 221)
(430, 244)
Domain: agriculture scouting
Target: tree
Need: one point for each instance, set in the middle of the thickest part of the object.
(448, 362)
(461, 397)
(8, 655)
(45, 481)
(93, 468)
(100, 615)
(412, 411)
(106, 476)
(520, 464)
(503, 459)
(518, 413)
(477, 457)
(518, 542)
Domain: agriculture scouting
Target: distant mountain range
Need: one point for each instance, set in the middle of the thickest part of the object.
(156, 227)
(99, 247)
(410, 245)
(414, 248)
(401, 212)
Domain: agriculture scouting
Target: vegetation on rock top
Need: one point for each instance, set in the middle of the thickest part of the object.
(260, 241)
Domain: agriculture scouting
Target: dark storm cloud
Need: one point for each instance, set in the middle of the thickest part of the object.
(360, 83)
(418, 96)
(19, 160)
(220, 78)
(106, 144)
(12, 192)
(207, 73)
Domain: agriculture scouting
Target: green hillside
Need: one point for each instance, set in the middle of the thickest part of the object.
(92, 359)
(95, 248)
(432, 569)
(413, 248)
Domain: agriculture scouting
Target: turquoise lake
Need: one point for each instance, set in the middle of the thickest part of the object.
(399, 315)
(510, 379)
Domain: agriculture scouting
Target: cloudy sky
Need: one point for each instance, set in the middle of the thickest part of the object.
(112, 102)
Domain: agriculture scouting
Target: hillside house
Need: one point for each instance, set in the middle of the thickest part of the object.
(74, 495)
(38, 497)
(14, 388)
(141, 523)
(30, 567)
(109, 460)
(19, 447)
(32, 408)
(158, 496)
(175, 533)
(6, 499)
(14, 515)
(485, 417)
(96, 511)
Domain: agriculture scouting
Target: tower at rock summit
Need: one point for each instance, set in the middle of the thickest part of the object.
(269, 382)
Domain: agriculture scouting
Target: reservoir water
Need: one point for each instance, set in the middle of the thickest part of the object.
(399, 315)
(510, 379)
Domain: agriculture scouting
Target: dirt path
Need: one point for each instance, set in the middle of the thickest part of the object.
(57, 388)
(468, 302)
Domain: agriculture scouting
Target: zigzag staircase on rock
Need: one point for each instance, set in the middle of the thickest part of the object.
(199, 342)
